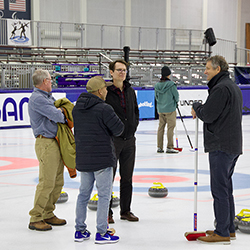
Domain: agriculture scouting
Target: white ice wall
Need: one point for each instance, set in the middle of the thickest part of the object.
(186, 14)
(221, 15)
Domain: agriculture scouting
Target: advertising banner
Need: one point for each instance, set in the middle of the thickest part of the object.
(146, 103)
(14, 106)
(187, 97)
(19, 32)
(14, 109)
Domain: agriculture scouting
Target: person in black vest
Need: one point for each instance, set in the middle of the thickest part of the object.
(121, 96)
(222, 116)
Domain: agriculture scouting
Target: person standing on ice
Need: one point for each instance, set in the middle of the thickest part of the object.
(167, 97)
(222, 116)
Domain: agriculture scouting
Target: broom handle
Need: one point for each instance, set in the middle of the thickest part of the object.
(176, 137)
(196, 172)
(184, 127)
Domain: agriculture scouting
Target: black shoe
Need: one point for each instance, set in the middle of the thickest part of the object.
(110, 219)
(159, 150)
(129, 216)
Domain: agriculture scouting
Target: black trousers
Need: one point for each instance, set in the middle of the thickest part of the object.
(221, 170)
(125, 153)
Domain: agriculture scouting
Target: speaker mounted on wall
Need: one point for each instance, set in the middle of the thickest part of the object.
(210, 37)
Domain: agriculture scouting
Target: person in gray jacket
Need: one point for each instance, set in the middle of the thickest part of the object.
(222, 116)
(167, 97)
(95, 124)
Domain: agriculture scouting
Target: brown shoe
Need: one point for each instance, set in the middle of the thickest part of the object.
(55, 221)
(39, 226)
(129, 216)
(215, 239)
(232, 235)
(111, 220)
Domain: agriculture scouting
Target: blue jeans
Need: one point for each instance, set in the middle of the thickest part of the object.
(103, 180)
(221, 171)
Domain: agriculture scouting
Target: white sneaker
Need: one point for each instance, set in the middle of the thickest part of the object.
(171, 151)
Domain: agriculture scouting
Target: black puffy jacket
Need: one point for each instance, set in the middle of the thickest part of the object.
(222, 115)
(95, 124)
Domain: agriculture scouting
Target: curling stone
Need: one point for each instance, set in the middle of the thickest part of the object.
(244, 213)
(115, 201)
(244, 225)
(92, 204)
(63, 197)
(158, 191)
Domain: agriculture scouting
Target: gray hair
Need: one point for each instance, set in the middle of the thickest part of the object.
(39, 76)
(218, 61)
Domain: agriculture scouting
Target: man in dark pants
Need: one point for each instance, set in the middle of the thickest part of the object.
(222, 116)
(121, 96)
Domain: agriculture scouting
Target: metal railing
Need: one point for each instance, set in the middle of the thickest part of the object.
(82, 35)
(150, 48)
(243, 56)
(19, 76)
(226, 48)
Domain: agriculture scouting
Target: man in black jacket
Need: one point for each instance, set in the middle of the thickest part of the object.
(222, 116)
(95, 124)
(121, 96)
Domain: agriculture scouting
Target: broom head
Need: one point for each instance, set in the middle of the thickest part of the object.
(191, 236)
(179, 149)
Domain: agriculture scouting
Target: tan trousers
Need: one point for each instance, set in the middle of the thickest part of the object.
(51, 180)
(170, 119)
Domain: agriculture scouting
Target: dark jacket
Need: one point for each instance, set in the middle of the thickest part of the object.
(222, 115)
(95, 124)
(130, 119)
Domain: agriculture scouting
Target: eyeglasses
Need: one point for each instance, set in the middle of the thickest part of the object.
(48, 79)
(121, 70)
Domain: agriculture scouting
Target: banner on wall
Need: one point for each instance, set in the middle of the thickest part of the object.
(188, 96)
(146, 104)
(19, 33)
(14, 109)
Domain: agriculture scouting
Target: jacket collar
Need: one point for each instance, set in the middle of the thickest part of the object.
(42, 91)
(126, 85)
(217, 78)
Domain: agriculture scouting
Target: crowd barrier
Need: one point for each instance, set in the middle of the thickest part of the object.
(14, 103)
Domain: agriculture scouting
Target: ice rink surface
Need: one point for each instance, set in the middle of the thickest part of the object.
(163, 221)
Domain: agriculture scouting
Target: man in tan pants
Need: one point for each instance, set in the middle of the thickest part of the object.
(44, 117)
(167, 97)
(170, 120)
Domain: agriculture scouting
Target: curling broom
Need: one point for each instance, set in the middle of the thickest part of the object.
(177, 141)
(195, 234)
